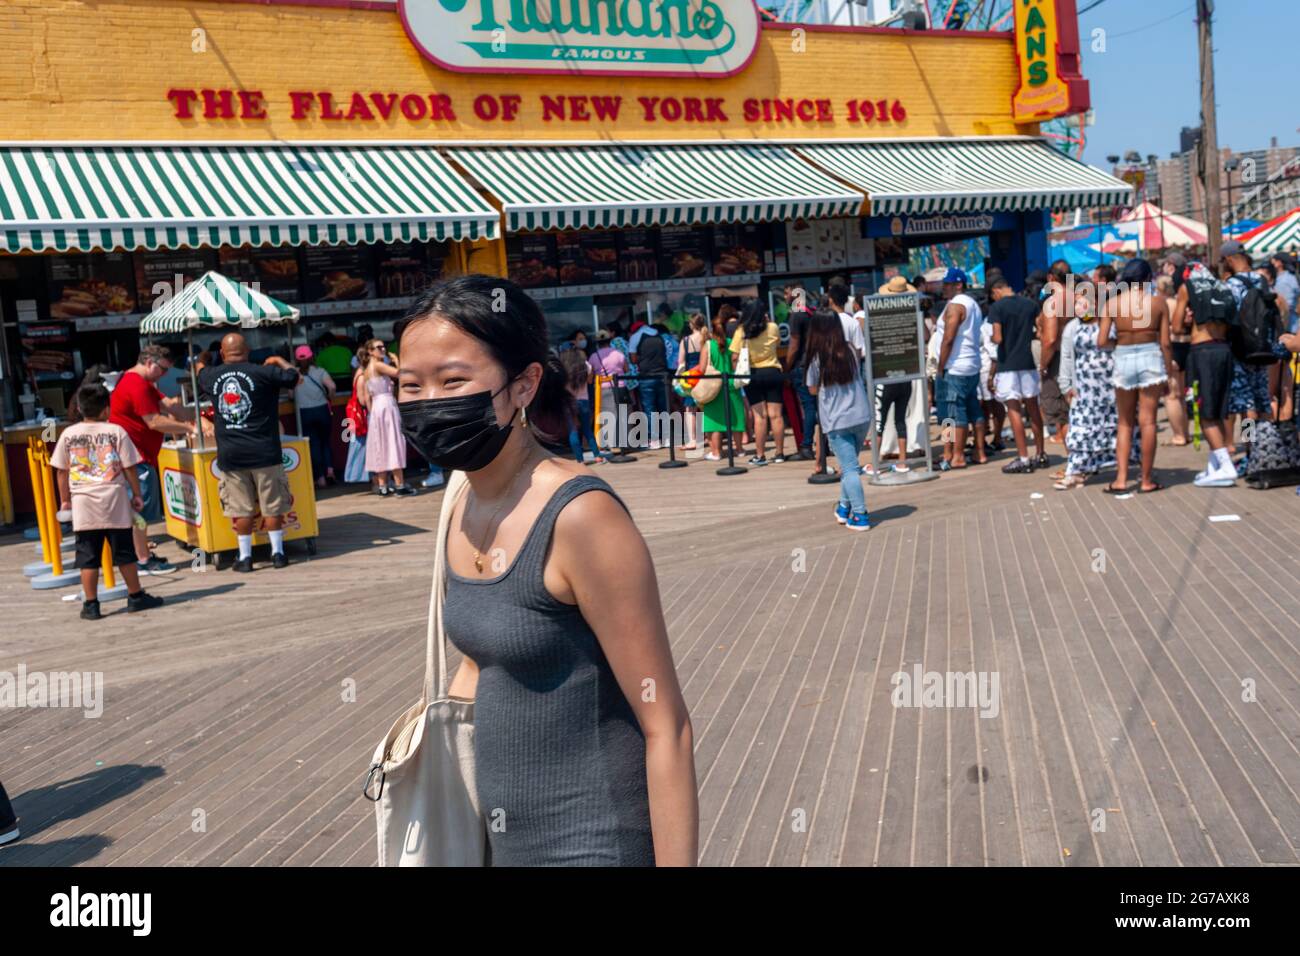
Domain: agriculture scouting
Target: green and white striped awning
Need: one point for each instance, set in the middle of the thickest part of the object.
(213, 300)
(150, 197)
(1277, 235)
(997, 175)
(607, 185)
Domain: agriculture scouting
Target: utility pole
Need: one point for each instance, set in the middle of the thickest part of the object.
(1209, 132)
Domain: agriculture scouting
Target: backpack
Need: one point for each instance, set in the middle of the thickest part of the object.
(1258, 322)
(1209, 297)
(1274, 455)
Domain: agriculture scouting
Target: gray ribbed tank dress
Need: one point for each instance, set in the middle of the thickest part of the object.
(560, 756)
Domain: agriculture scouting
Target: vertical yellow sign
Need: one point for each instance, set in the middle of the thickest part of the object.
(1042, 93)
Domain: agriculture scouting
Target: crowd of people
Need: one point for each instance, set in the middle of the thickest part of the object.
(1083, 363)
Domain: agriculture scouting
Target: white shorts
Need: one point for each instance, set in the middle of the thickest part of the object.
(1015, 386)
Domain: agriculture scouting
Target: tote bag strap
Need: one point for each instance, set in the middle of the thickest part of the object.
(435, 664)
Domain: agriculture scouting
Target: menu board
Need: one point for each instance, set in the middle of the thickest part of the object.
(828, 236)
(531, 261)
(46, 347)
(98, 284)
(860, 250)
(683, 252)
(165, 273)
(587, 257)
(638, 255)
(801, 246)
(895, 346)
(737, 249)
(274, 269)
(337, 273)
(406, 268)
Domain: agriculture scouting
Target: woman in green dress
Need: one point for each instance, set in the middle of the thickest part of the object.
(715, 412)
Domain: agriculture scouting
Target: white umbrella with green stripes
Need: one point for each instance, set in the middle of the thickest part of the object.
(212, 301)
(1277, 235)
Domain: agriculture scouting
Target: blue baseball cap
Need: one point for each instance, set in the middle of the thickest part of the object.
(955, 275)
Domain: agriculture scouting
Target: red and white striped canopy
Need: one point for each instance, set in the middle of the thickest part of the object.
(1154, 228)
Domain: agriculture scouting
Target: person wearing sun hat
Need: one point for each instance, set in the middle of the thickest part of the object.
(896, 285)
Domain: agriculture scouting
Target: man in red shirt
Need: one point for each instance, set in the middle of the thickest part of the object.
(147, 416)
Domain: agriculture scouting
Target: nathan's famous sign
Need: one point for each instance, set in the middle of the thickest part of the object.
(701, 38)
(1047, 48)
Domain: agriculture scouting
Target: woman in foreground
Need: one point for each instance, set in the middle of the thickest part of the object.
(583, 744)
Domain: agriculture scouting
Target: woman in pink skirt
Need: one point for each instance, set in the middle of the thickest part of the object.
(385, 443)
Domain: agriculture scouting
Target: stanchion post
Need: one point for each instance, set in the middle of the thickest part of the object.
(52, 513)
(672, 461)
(106, 562)
(731, 468)
(38, 495)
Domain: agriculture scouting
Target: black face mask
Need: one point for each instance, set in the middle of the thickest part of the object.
(460, 433)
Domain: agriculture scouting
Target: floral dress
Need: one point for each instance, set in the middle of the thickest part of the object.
(1093, 418)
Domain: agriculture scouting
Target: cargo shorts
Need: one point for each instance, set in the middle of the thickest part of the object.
(248, 492)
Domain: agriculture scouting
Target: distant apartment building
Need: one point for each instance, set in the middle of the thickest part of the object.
(1177, 183)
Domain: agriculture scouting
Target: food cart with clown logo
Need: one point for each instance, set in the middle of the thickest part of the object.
(189, 472)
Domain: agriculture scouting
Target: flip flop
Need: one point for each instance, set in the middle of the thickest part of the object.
(1110, 489)
(1151, 491)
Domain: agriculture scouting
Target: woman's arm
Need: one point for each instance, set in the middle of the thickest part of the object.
(383, 368)
(612, 579)
(1065, 377)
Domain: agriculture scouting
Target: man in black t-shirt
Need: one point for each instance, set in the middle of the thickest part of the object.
(246, 405)
(1017, 383)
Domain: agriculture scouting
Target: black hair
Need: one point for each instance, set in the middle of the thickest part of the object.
(836, 361)
(92, 399)
(998, 283)
(1106, 272)
(838, 293)
(505, 319)
(753, 318)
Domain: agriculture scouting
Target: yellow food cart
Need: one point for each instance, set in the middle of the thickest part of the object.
(189, 475)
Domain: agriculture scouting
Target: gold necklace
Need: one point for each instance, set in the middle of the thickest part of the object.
(491, 525)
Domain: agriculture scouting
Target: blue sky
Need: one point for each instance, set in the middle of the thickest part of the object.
(1146, 87)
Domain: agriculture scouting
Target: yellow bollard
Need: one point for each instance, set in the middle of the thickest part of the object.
(38, 496)
(52, 512)
(107, 563)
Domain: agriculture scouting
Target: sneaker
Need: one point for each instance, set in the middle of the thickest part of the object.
(140, 601)
(90, 611)
(805, 454)
(155, 565)
(1041, 461)
(860, 522)
(405, 491)
(1216, 479)
(434, 480)
(842, 514)
(1018, 466)
(901, 469)
(710, 456)
(279, 560)
(382, 491)
(758, 462)
(243, 565)
(779, 460)
(9, 833)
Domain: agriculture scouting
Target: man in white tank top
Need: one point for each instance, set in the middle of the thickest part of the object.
(957, 387)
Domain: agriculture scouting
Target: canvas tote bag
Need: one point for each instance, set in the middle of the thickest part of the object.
(422, 777)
